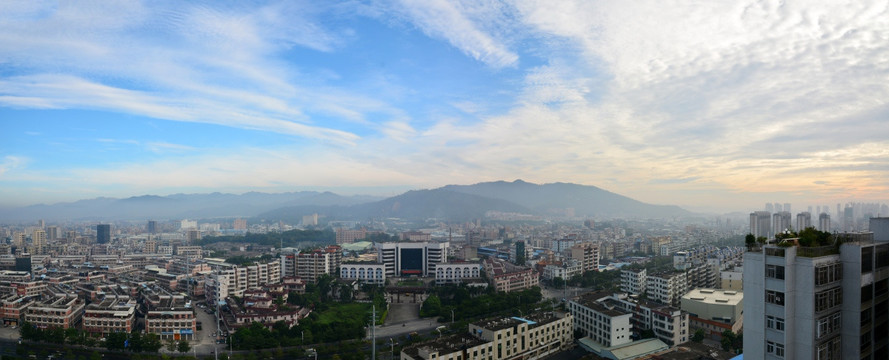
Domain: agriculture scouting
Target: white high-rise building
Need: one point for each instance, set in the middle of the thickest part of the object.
(761, 223)
(412, 258)
(803, 221)
(824, 222)
(780, 222)
(819, 302)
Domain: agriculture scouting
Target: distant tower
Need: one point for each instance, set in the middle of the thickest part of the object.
(787, 207)
(103, 234)
(848, 219)
(770, 208)
(150, 246)
(38, 240)
(824, 222)
(760, 224)
(52, 232)
(18, 239)
(780, 222)
(41, 224)
(803, 220)
(778, 207)
(152, 227)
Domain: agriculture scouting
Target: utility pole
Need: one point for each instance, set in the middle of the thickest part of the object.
(373, 332)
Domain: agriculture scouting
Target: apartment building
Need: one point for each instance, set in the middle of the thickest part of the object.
(666, 287)
(110, 315)
(55, 310)
(507, 277)
(311, 265)
(14, 308)
(602, 320)
(168, 315)
(367, 273)
(587, 253)
(819, 302)
(533, 337)
(564, 271)
(633, 281)
(456, 273)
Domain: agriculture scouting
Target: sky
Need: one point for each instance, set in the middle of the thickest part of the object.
(713, 105)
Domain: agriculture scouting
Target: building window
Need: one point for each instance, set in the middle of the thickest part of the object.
(828, 273)
(828, 325)
(775, 272)
(775, 297)
(827, 299)
(774, 348)
(775, 323)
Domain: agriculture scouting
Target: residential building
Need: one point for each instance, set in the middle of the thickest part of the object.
(669, 324)
(781, 222)
(506, 277)
(602, 320)
(732, 279)
(564, 271)
(14, 307)
(633, 281)
(803, 221)
(111, 315)
(666, 287)
(714, 311)
(761, 224)
(55, 310)
(824, 222)
(168, 315)
(587, 253)
(819, 302)
(533, 337)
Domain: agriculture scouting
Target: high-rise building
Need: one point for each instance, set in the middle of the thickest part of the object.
(778, 207)
(150, 246)
(787, 207)
(103, 234)
(824, 222)
(761, 224)
(152, 227)
(819, 302)
(803, 221)
(769, 208)
(781, 222)
(52, 232)
(239, 224)
(18, 239)
(38, 241)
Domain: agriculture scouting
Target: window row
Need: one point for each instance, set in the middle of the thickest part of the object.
(775, 323)
(774, 348)
(828, 299)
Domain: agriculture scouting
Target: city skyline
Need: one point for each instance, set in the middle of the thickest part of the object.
(711, 107)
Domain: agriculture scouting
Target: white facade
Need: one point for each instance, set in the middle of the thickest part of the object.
(367, 273)
(602, 321)
(667, 288)
(456, 273)
(815, 303)
(399, 257)
(633, 281)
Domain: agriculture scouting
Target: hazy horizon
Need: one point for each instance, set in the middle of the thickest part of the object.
(705, 106)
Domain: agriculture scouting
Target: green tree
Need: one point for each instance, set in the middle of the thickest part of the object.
(183, 346)
(115, 341)
(431, 306)
(171, 345)
(750, 240)
(728, 340)
(151, 343)
(698, 336)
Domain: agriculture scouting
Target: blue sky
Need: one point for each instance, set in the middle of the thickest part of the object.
(716, 106)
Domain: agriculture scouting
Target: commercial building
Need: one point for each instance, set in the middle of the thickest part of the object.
(533, 337)
(819, 302)
(103, 234)
(412, 258)
(714, 311)
(14, 308)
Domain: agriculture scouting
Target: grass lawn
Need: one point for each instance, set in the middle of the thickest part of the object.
(345, 311)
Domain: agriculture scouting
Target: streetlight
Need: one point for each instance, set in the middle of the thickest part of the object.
(452, 316)
(392, 343)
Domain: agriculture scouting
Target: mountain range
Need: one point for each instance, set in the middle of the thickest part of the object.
(451, 202)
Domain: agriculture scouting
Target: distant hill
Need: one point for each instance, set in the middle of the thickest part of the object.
(177, 206)
(464, 202)
(452, 202)
(586, 200)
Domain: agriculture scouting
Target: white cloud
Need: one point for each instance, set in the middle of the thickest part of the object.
(462, 25)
